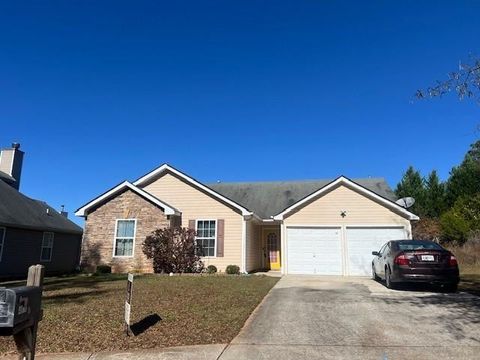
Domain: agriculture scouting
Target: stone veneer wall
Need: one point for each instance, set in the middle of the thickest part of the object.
(98, 236)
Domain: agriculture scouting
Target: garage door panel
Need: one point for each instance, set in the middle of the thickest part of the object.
(362, 241)
(314, 251)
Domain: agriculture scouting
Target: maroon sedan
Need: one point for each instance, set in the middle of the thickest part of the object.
(403, 261)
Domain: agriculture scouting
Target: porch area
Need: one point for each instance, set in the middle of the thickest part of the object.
(263, 248)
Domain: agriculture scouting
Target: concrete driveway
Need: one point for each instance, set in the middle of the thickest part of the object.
(307, 317)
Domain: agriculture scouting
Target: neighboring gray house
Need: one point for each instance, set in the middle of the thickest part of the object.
(31, 231)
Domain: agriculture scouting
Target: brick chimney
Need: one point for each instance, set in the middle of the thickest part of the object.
(11, 160)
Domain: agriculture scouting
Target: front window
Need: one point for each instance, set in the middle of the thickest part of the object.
(125, 237)
(47, 247)
(206, 237)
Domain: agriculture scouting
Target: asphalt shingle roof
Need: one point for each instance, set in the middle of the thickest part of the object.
(267, 199)
(19, 210)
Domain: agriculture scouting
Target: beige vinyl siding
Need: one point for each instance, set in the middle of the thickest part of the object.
(360, 210)
(194, 204)
(254, 246)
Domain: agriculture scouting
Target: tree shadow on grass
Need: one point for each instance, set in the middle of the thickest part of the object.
(143, 325)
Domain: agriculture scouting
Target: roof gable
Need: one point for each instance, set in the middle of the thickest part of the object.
(158, 172)
(83, 211)
(342, 180)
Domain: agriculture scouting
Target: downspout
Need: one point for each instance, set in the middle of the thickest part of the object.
(410, 235)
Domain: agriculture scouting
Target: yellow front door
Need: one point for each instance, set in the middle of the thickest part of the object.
(271, 240)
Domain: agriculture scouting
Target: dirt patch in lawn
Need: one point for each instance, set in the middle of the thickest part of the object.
(86, 313)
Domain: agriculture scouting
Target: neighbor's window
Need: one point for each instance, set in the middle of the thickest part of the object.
(125, 237)
(206, 237)
(47, 247)
(2, 241)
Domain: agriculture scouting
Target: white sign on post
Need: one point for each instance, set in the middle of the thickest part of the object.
(127, 313)
(128, 303)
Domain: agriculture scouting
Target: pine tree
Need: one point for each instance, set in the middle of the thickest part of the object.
(434, 196)
(464, 179)
(412, 184)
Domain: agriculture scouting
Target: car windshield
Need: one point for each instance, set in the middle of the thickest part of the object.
(418, 245)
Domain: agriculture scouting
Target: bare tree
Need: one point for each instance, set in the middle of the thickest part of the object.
(465, 83)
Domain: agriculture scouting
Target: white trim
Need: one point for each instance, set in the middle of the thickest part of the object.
(3, 241)
(344, 181)
(13, 161)
(283, 249)
(115, 239)
(399, 226)
(166, 167)
(46, 247)
(344, 249)
(83, 211)
(409, 231)
(271, 221)
(243, 267)
(216, 236)
(314, 226)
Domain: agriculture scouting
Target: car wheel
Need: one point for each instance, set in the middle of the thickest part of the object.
(388, 279)
(374, 274)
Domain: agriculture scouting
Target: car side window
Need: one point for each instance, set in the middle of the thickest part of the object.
(382, 249)
(388, 248)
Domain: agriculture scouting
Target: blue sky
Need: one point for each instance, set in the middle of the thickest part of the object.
(102, 91)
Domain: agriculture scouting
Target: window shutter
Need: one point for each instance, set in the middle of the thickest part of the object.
(220, 237)
(192, 225)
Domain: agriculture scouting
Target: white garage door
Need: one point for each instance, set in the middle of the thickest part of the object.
(362, 241)
(314, 251)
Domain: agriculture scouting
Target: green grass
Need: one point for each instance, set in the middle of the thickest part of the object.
(86, 313)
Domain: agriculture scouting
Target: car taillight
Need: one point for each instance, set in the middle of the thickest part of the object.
(401, 260)
(452, 261)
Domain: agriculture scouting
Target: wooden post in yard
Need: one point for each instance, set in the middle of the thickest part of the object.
(26, 339)
(128, 304)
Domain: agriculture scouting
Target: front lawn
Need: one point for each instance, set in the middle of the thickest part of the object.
(86, 313)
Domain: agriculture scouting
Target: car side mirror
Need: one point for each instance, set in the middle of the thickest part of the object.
(375, 253)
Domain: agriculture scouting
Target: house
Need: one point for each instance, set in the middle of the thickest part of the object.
(31, 231)
(296, 227)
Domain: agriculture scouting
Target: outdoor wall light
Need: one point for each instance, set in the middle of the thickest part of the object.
(343, 213)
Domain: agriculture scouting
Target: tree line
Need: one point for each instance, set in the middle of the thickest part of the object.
(449, 211)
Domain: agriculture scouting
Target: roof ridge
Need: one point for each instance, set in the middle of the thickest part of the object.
(290, 181)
